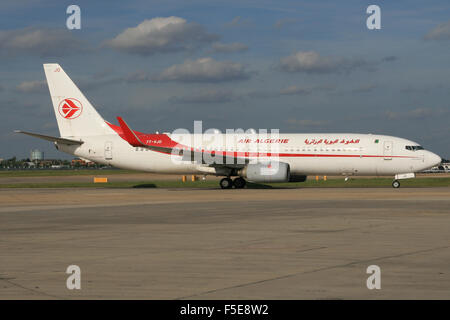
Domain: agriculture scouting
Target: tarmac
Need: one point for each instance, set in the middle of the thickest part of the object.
(225, 244)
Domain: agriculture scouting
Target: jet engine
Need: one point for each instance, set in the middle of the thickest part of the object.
(266, 172)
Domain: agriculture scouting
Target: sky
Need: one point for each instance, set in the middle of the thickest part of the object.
(296, 66)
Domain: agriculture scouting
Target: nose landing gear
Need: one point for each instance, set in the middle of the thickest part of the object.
(396, 184)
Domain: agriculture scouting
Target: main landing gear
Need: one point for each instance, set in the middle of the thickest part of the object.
(227, 183)
(239, 183)
(395, 184)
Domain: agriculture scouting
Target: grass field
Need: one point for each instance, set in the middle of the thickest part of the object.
(331, 183)
(56, 173)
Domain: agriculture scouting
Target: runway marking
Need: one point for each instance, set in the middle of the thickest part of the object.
(311, 271)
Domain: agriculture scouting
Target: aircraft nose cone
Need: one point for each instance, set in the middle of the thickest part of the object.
(434, 159)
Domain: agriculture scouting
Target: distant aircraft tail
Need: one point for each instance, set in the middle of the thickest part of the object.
(74, 113)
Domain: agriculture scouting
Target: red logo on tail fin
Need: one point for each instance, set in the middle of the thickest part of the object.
(70, 108)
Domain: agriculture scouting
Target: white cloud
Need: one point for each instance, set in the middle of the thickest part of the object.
(40, 86)
(41, 42)
(282, 22)
(229, 47)
(295, 90)
(312, 62)
(235, 21)
(419, 113)
(291, 90)
(210, 96)
(238, 22)
(204, 70)
(441, 32)
(138, 76)
(161, 35)
(32, 86)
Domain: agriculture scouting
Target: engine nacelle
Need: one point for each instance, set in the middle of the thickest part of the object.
(266, 172)
(297, 178)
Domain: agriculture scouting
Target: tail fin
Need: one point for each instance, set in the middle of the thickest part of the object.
(75, 115)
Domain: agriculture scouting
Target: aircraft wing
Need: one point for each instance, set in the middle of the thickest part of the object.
(229, 159)
(52, 139)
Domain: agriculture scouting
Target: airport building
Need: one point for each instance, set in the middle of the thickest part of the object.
(78, 162)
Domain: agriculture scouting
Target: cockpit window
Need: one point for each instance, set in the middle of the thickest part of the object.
(414, 148)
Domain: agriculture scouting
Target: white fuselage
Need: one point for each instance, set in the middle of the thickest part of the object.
(307, 154)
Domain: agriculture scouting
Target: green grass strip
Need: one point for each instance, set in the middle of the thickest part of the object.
(331, 183)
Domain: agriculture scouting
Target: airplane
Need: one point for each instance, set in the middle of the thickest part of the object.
(245, 156)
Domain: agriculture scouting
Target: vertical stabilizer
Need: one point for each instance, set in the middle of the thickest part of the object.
(74, 113)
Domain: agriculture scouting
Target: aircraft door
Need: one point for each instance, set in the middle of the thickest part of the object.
(387, 150)
(108, 150)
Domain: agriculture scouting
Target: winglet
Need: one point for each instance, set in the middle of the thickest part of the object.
(130, 136)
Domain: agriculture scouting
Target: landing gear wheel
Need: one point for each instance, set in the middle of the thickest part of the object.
(239, 183)
(396, 184)
(226, 183)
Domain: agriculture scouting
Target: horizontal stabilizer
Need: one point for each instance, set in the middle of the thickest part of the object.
(52, 139)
